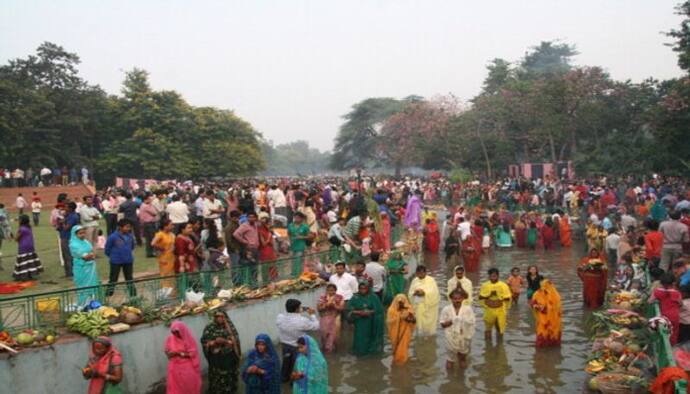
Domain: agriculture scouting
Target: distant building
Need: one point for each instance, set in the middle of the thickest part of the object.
(562, 169)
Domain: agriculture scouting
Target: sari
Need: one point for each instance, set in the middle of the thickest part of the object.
(547, 305)
(314, 368)
(594, 280)
(184, 374)
(503, 238)
(532, 237)
(223, 361)
(547, 236)
(470, 254)
(425, 307)
(386, 231)
(368, 333)
(396, 278)
(520, 234)
(84, 271)
(432, 237)
(165, 243)
(269, 381)
(565, 232)
(184, 247)
(104, 364)
(329, 324)
(401, 324)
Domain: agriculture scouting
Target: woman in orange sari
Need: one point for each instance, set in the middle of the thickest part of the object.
(565, 232)
(546, 303)
(401, 322)
(594, 274)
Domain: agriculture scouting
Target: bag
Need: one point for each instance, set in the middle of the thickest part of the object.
(194, 297)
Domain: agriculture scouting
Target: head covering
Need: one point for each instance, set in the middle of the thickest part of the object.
(263, 215)
(79, 247)
(102, 363)
(315, 368)
(459, 268)
(268, 361)
(185, 343)
(225, 330)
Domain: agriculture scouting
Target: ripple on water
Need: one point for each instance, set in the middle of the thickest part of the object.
(513, 365)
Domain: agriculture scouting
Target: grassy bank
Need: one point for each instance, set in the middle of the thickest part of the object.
(53, 276)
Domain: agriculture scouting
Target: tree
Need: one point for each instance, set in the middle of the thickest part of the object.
(547, 59)
(682, 36)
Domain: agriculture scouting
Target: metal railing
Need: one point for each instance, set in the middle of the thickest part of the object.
(54, 307)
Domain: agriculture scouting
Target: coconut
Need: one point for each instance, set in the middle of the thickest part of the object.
(625, 305)
(616, 347)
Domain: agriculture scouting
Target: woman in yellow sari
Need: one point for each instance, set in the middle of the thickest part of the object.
(401, 322)
(546, 303)
(164, 243)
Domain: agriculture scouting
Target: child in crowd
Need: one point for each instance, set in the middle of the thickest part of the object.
(670, 301)
(101, 240)
(516, 283)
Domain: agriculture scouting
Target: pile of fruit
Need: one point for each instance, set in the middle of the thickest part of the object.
(28, 338)
(625, 300)
(91, 324)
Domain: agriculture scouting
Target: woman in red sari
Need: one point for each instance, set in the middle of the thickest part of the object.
(593, 272)
(104, 366)
(472, 249)
(267, 254)
(547, 234)
(185, 251)
(385, 232)
(432, 237)
(520, 233)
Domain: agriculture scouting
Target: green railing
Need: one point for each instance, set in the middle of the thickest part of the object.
(53, 308)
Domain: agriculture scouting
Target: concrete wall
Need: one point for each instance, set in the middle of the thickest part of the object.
(57, 369)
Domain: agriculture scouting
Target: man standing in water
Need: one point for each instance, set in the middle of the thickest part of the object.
(495, 297)
(460, 282)
(291, 326)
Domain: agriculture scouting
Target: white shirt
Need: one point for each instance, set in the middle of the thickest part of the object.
(178, 212)
(276, 198)
(612, 241)
(291, 326)
(36, 206)
(21, 202)
(45, 171)
(377, 273)
(465, 230)
(88, 215)
(210, 206)
(346, 284)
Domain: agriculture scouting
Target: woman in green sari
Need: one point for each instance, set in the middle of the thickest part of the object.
(395, 283)
(365, 311)
(221, 345)
(310, 375)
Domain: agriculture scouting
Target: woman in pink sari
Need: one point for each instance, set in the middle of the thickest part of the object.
(330, 306)
(184, 367)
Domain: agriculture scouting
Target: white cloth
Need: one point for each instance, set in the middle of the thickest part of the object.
(178, 212)
(465, 284)
(377, 273)
(465, 230)
(346, 284)
(291, 326)
(458, 336)
(276, 198)
(88, 215)
(210, 206)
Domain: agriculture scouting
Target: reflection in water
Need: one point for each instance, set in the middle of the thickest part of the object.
(512, 365)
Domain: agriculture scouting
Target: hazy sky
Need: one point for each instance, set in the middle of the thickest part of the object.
(293, 68)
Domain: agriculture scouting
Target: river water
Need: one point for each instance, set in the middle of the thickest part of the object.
(511, 366)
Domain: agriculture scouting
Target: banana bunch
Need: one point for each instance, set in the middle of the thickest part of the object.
(132, 310)
(595, 366)
(108, 311)
(91, 324)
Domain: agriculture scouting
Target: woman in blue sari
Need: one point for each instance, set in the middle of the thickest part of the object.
(310, 375)
(261, 369)
(83, 264)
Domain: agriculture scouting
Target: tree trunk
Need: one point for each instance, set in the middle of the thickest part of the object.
(485, 152)
(552, 146)
(398, 169)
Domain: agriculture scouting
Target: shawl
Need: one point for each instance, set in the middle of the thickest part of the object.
(373, 343)
(268, 361)
(102, 364)
(186, 343)
(225, 357)
(463, 327)
(426, 307)
(396, 319)
(413, 212)
(314, 367)
(549, 320)
(79, 247)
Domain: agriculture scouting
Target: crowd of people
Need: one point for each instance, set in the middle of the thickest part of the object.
(43, 176)
(247, 225)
